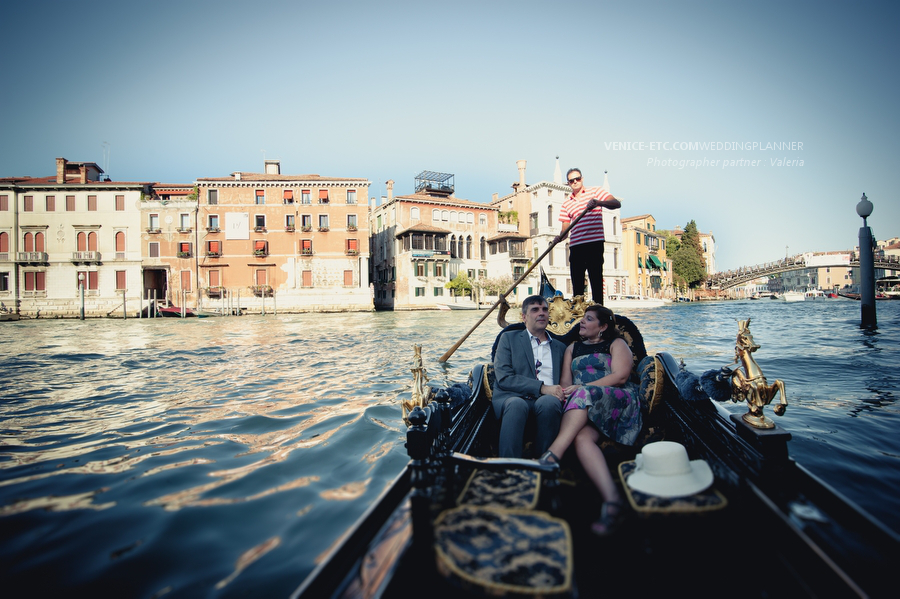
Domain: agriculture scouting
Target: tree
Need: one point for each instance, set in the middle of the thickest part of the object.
(495, 285)
(461, 285)
(687, 259)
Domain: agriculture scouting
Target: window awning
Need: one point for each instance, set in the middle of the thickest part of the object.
(655, 261)
(323, 193)
(640, 264)
(260, 245)
(289, 194)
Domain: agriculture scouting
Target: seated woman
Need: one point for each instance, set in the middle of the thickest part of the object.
(601, 400)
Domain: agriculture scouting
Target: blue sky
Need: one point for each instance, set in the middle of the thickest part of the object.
(383, 90)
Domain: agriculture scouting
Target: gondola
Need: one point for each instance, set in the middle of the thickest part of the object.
(766, 528)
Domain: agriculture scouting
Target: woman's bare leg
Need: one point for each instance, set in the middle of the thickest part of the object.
(572, 422)
(594, 463)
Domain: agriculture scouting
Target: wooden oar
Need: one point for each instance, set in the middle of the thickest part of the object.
(456, 345)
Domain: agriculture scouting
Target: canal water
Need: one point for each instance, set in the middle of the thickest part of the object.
(223, 457)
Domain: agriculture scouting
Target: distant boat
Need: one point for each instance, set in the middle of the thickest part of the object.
(814, 294)
(174, 312)
(467, 305)
(8, 317)
(758, 295)
(634, 301)
(793, 296)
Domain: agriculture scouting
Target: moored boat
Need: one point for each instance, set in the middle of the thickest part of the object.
(619, 302)
(808, 539)
(792, 296)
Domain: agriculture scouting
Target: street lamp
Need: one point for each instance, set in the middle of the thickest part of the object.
(81, 288)
(866, 266)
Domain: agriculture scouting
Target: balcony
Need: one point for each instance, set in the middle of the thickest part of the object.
(323, 229)
(212, 229)
(352, 252)
(85, 257)
(185, 230)
(351, 227)
(306, 228)
(306, 252)
(154, 231)
(289, 228)
(213, 254)
(184, 254)
(259, 229)
(32, 257)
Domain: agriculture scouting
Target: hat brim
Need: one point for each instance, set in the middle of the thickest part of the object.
(679, 485)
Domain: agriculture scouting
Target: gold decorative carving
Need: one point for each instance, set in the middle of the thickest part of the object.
(564, 313)
(421, 392)
(750, 385)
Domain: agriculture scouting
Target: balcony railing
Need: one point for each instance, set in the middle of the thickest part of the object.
(153, 230)
(212, 229)
(85, 256)
(184, 230)
(40, 257)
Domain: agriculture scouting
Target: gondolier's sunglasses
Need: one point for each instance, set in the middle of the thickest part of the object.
(573, 180)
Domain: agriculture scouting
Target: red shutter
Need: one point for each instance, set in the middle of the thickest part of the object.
(39, 242)
(29, 242)
(307, 278)
(120, 280)
(185, 280)
(92, 280)
(4, 242)
(214, 278)
(120, 241)
(40, 281)
(92, 242)
(261, 276)
(348, 278)
(81, 241)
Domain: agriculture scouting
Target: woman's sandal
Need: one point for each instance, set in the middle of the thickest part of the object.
(549, 458)
(611, 515)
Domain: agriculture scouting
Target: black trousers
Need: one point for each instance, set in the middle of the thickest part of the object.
(587, 257)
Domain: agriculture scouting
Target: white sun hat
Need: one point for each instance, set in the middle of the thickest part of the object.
(663, 469)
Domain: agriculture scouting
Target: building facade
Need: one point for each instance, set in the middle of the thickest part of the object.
(649, 270)
(73, 232)
(422, 241)
(289, 242)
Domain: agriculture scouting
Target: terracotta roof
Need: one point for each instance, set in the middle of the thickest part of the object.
(423, 228)
(500, 236)
(443, 201)
(263, 177)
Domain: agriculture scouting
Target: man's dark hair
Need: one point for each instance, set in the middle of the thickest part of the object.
(573, 170)
(532, 299)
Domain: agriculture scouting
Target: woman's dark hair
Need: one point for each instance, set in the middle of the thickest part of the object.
(605, 316)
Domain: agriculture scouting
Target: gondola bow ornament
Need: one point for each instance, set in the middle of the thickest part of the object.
(751, 385)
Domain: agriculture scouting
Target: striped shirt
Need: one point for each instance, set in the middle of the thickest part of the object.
(589, 228)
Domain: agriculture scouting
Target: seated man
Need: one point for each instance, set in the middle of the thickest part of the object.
(527, 368)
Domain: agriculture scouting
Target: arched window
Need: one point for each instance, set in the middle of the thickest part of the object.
(615, 224)
(29, 242)
(120, 241)
(414, 213)
(81, 241)
(39, 242)
(92, 241)
(549, 216)
(469, 247)
(482, 219)
(445, 215)
(4, 242)
(460, 247)
(482, 250)
(453, 217)
(470, 218)
(453, 247)
(435, 215)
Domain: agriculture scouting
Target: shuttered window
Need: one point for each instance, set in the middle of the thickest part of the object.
(185, 280)
(307, 278)
(120, 280)
(120, 203)
(348, 278)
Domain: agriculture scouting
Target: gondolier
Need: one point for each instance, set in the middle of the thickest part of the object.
(586, 242)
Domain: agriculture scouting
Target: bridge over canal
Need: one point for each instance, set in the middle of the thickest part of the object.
(745, 274)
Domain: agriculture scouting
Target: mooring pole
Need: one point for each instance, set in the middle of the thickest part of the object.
(866, 267)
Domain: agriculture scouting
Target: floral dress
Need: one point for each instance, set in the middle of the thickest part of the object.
(616, 411)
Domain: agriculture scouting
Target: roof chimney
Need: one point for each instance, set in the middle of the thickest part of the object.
(390, 189)
(273, 167)
(521, 165)
(82, 174)
(60, 170)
